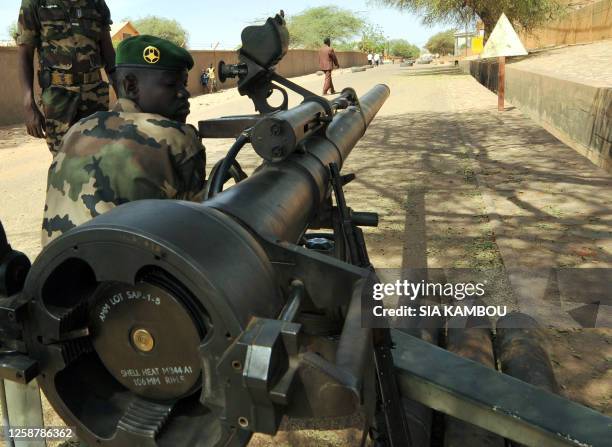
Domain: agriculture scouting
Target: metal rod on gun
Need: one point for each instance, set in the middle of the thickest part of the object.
(292, 308)
(392, 413)
(348, 356)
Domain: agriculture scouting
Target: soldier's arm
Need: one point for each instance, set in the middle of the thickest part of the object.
(192, 173)
(28, 39)
(190, 167)
(107, 50)
(108, 55)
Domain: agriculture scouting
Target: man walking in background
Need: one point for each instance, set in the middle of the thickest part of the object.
(327, 62)
(72, 38)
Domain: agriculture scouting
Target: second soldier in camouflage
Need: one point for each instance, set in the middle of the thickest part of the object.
(72, 38)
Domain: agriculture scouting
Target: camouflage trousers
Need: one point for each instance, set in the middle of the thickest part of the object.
(65, 105)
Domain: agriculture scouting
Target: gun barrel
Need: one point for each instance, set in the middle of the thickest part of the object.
(280, 199)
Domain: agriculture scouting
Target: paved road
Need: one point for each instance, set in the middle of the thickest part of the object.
(456, 184)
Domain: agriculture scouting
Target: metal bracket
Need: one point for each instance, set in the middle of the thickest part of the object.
(227, 126)
(259, 375)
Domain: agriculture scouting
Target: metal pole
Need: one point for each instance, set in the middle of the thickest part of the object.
(5, 420)
(215, 65)
(466, 39)
(501, 83)
(25, 410)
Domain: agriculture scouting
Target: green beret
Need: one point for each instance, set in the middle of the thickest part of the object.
(152, 52)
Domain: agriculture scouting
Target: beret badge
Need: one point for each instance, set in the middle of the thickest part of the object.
(151, 55)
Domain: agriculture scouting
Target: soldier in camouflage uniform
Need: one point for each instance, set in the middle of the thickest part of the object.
(73, 41)
(141, 149)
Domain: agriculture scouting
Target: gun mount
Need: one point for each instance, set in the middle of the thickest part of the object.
(135, 316)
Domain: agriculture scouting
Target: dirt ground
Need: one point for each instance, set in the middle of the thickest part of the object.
(456, 185)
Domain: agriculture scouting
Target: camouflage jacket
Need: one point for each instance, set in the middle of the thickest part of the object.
(114, 157)
(66, 33)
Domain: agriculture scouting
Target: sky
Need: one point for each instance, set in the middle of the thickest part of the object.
(209, 22)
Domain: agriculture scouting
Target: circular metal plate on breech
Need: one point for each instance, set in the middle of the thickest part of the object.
(147, 339)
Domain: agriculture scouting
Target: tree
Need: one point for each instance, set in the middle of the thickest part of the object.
(403, 48)
(164, 28)
(372, 39)
(526, 14)
(348, 46)
(12, 31)
(308, 28)
(442, 43)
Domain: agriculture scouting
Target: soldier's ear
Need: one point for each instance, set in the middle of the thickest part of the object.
(129, 87)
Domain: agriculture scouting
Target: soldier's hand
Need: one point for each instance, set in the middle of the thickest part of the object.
(35, 121)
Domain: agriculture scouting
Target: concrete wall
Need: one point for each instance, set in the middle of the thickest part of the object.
(572, 111)
(588, 24)
(578, 114)
(11, 97)
(295, 63)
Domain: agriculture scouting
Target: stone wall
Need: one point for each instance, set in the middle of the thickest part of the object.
(295, 63)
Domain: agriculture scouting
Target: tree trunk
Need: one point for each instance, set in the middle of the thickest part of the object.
(489, 19)
(488, 28)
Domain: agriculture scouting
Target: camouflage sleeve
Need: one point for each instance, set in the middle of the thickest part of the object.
(28, 25)
(106, 15)
(190, 166)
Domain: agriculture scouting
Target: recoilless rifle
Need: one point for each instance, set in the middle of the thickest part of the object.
(170, 323)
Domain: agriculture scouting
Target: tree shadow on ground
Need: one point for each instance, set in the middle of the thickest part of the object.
(541, 180)
(554, 208)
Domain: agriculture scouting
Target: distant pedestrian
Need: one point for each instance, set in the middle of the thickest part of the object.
(212, 79)
(327, 62)
(377, 59)
(370, 56)
(204, 78)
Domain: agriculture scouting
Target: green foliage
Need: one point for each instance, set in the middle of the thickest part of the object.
(442, 43)
(12, 30)
(348, 46)
(526, 14)
(308, 28)
(403, 48)
(164, 28)
(372, 39)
